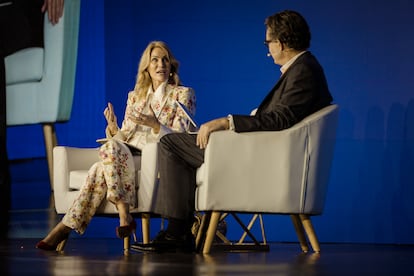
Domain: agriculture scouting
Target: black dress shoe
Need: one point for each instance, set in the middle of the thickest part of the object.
(165, 242)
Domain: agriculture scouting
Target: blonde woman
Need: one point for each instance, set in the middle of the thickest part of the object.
(151, 112)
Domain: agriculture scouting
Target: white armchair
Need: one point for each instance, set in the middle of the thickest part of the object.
(40, 81)
(71, 167)
(275, 172)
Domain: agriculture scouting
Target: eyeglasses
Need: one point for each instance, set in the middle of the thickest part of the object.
(267, 42)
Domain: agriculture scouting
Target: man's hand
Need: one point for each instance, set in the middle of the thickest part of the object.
(54, 10)
(209, 127)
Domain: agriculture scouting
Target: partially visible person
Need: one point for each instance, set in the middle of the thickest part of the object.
(151, 112)
(21, 26)
(300, 91)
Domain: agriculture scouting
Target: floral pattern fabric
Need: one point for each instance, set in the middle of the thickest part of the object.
(171, 117)
(113, 177)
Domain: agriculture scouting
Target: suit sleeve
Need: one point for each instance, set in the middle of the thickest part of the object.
(288, 103)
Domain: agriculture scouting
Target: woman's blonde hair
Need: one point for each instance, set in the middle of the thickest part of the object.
(143, 77)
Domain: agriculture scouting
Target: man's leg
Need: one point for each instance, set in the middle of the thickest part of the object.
(179, 158)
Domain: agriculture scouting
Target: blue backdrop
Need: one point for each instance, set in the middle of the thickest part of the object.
(364, 47)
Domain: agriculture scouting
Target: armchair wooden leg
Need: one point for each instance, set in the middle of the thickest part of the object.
(300, 232)
(211, 231)
(307, 225)
(49, 134)
(126, 246)
(145, 221)
(202, 231)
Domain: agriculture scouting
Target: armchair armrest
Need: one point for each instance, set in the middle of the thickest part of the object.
(61, 49)
(65, 160)
(234, 163)
(148, 178)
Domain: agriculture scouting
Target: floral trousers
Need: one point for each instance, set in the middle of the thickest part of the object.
(111, 178)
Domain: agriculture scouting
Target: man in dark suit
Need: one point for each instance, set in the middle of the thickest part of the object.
(301, 90)
(21, 26)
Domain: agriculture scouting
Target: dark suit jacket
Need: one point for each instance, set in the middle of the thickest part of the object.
(300, 91)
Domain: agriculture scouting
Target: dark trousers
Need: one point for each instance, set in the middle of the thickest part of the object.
(179, 157)
(21, 26)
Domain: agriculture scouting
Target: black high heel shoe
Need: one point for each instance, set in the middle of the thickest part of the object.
(59, 246)
(124, 232)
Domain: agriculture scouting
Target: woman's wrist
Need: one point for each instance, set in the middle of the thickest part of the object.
(156, 128)
(113, 130)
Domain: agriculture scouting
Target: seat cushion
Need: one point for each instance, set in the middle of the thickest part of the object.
(24, 66)
(77, 179)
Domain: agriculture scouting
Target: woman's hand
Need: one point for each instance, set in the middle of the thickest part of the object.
(111, 119)
(209, 127)
(149, 120)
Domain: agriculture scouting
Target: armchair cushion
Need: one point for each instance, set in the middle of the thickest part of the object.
(24, 66)
(77, 178)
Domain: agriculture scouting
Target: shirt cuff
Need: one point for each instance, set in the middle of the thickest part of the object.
(231, 122)
(163, 130)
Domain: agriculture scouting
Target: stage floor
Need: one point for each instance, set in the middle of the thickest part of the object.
(100, 253)
(105, 257)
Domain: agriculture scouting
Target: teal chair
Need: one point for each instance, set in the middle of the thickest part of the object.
(40, 82)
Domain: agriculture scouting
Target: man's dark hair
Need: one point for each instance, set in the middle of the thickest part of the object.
(290, 28)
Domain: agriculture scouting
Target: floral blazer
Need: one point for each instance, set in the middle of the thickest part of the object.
(171, 117)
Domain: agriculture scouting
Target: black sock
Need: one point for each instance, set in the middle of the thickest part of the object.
(178, 227)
